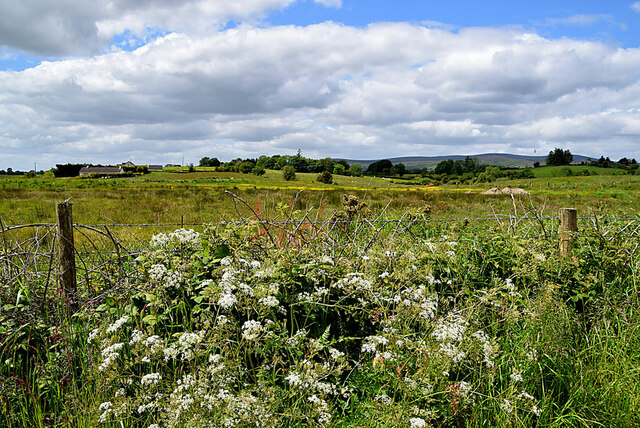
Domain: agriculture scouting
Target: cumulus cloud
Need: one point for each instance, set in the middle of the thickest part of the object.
(328, 89)
(636, 6)
(71, 27)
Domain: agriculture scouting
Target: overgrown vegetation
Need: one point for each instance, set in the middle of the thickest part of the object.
(354, 324)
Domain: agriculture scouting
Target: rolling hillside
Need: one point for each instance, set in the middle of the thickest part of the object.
(502, 159)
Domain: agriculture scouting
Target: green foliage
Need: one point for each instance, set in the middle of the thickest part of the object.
(356, 170)
(380, 167)
(339, 169)
(445, 324)
(258, 170)
(325, 177)
(288, 173)
(210, 162)
(136, 169)
(559, 157)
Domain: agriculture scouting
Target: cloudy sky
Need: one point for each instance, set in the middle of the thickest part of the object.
(156, 81)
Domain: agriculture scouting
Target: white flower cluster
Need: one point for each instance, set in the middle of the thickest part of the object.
(420, 300)
(117, 324)
(228, 285)
(93, 334)
(105, 408)
(110, 354)
(322, 407)
(417, 423)
(178, 237)
(184, 347)
(150, 379)
(450, 332)
(371, 343)
(451, 329)
(353, 282)
(489, 349)
(168, 278)
(251, 330)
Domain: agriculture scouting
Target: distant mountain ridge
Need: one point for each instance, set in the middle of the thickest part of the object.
(499, 159)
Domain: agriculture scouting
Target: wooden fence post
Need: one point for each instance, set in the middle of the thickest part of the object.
(66, 252)
(568, 229)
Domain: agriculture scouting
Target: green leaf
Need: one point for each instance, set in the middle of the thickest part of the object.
(150, 319)
(222, 251)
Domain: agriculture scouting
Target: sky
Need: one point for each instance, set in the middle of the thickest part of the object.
(172, 81)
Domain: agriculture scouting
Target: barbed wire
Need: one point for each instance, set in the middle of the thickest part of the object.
(8, 228)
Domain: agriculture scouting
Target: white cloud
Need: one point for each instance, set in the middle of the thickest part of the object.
(329, 3)
(636, 6)
(328, 89)
(69, 27)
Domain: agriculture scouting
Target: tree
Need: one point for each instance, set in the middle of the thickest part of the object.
(339, 169)
(536, 164)
(328, 163)
(398, 169)
(356, 170)
(258, 170)
(246, 167)
(380, 167)
(559, 157)
(325, 177)
(207, 161)
(288, 173)
(444, 167)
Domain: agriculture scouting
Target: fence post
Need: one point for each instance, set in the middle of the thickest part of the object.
(568, 229)
(66, 252)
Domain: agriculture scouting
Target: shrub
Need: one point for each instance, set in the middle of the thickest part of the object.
(258, 170)
(288, 173)
(325, 177)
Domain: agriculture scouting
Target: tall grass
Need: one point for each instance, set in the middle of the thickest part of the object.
(414, 324)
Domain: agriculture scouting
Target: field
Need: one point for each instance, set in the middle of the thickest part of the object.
(200, 197)
(321, 310)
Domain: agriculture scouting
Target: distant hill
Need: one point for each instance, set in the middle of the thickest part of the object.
(499, 159)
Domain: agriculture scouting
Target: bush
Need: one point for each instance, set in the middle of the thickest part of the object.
(288, 173)
(325, 177)
(258, 170)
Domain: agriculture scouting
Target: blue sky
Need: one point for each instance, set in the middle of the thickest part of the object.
(159, 80)
(611, 21)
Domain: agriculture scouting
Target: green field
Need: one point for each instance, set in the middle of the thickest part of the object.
(163, 197)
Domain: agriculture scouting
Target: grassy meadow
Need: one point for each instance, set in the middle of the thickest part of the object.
(414, 324)
(199, 197)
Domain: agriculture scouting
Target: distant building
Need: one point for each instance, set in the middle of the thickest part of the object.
(127, 163)
(101, 170)
(155, 167)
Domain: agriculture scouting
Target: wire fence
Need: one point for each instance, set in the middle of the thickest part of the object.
(106, 253)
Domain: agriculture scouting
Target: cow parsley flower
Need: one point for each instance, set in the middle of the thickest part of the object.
(117, 324)
(150, 379)
(251, 330)
(417, 423)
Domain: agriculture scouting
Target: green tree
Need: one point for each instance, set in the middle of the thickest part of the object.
(325, 177)
(288, 173)
(356, 170)
(558, 157)
(398, 169)
(328, 163)
(380, 167)
(258, 170)
(339, 169)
